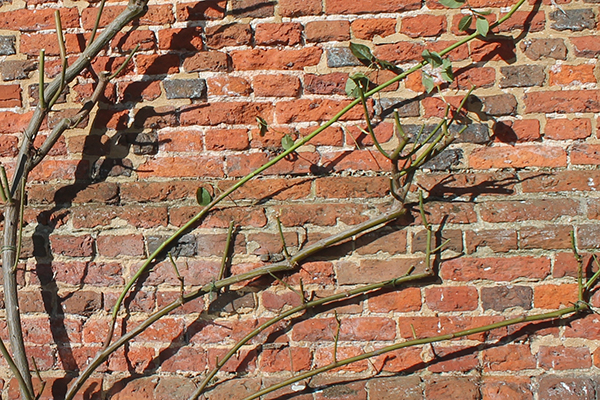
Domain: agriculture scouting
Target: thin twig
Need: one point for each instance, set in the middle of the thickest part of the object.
(63, 58)
(15, 370)
(97, 22)
(226, 251)
(41, 68)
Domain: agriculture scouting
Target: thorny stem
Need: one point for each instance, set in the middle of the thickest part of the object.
(577, 308)
(286, 265)
(311, 304)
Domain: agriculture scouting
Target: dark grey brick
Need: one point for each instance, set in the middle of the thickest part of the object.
(538, 48)
(499, 298)
(7, 44)
(522, 76)
(474, 133)
(501, 104)
(185, 247)
(445, 160)
(575, 20)
(185, 88)
(341, 57)
(16, 69)
(145, 143)
(406, 107)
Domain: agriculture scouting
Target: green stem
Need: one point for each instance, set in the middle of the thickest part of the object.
(300, 308)
(416, 342)
(15, 370)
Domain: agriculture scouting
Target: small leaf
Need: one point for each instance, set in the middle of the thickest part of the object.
(433, 58)
(485, 12)
(287, 142)
(465, 22)
(428, 82)
(363, 53)
(447, 74)
(383, 64)
(352, 89)
(262, 125)
(483, 26)
(203, 197)
(451, 3)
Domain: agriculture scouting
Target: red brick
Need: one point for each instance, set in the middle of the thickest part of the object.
(125, 42)
(496, 269)
(201, 10)
(324, 356)
(566, 129)
(561, 358)
(32, 43)
(334, 83)
(547, 237)
(458, 54)
(157, 191)
(220, 218)
(511, 211)
(307, 110)
(524, 20)
(315, 329)
(182, 167)
(370, 6)
(38, 20)
(181, 140)
(519, 131)
(587, 327)
(499, 50)
(11, 122)
(439, 388)
(226, 139)
(207, 61)
(138, 91)
(141, 216)
(277, 301)
(517, 157)
(499, 241)
(506, 388)
(72, 246)
(405, 300)
(351, 187)
(562, 101)
(454, 298)
(259, 59)
(180, 39)
(321, 214)
(509, 357)
(564, 75)
(554, 296)
(479, 77)
(423, 25)
(57, 387)
(296, 8)
(367, 29)
(283, 34)
(226, 112)
(219, 36)
(586, 46)
(376, 270)
(367, 329)
(383, 132)
(327, 31)
(285, 359)
(399, 53)
(559, 181)
(103, 274)
(451, 358)
(583, 153)
(157, 64)
(275, 188)
(156, 15)
(121, 245)
(276, 86)
(9, 146)
(228, 86)
(10, 96)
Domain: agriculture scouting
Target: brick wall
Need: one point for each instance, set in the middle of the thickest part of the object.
(184, 115)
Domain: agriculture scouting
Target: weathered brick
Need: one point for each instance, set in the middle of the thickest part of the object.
(517, 157)
(524, 20)
(296, 8)
(338, 57)
(369, 6)
(564, 101)
(518, 131)
(369, 28)
(405, 300)
(565, 129)
(506, 387)
(252, 8)
(152, 64)
(219, 36)
(583, 153)
(545, 210)
(522, 76)
(327, 31)
(207, 61)
(496, 269)
(498, 50)
(536, 49)
(10, 96)
(225, 112)
(125, 42)
(181, 39)
(401, 52)
(514, 357)
(565, 388)
(376, 270)
(438, 388)
(585, 46)
(201, 10)
(574, 20)
(500, 298)
(454, 298)
(563, 74)
(40, 19)
(559, 181)
(423, 25)
(17, 69)
(284, 34)
(562, 358)
(587, 236)
(138, 91)
(185, 88)
(497, 240)
(7, 45)
(259, 59)
(276, 85)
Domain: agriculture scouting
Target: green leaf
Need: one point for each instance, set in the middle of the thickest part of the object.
(451, 3)
(483, 26)
(352, 89)
(447, 74)
(355, 83)
(428, 82)
(287, 142)
(383, 64)
(363, 53)
(465, 22)
(262, 125)
(203, 197)
(433, 58)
